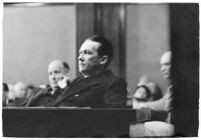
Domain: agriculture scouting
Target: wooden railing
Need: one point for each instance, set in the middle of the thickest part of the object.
(66, 122)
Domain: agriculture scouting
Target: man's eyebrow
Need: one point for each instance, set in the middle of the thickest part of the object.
(88, 50)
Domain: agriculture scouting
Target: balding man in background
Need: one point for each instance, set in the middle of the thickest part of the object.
(159, 128)
(58, 72)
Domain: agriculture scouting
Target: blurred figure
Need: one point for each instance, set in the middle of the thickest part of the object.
(157, 128)
(58, 72)
(20, 90)
(19, 95)
(147, 92)
(11, 94)
(5, 94)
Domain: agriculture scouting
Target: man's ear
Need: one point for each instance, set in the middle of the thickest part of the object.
(103, 59)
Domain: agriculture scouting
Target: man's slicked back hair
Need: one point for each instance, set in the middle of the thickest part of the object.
(105, 48)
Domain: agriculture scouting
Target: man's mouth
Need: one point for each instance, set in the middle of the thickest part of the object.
(81, 64)
(55, 83)
(166, 73)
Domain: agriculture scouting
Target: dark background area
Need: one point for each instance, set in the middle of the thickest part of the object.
(184, 22)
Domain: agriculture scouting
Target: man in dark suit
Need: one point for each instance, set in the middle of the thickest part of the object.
(58, 77)
(98, 87)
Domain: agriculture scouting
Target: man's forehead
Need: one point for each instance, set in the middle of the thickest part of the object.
(55, 65)
(166, 58)
(90, 45)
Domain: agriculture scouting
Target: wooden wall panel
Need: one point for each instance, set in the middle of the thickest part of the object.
(109, 24)
(85, 23)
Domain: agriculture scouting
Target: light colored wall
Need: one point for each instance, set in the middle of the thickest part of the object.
(34, 36)
(147, 38)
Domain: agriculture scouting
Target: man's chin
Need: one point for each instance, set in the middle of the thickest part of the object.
(81, 70)
(167, 76)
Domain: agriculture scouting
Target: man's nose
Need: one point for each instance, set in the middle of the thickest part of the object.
(162, 68)
(80, 58)
(53, 76)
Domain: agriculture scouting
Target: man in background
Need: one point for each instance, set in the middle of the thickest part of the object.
(58, 77)
(159, 128)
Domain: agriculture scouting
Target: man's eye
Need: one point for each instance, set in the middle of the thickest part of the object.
(57, 72)
(84, 52)
(87, 52)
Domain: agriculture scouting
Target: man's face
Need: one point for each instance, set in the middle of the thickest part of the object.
(56, 72)
(166, 65)
(89, 60)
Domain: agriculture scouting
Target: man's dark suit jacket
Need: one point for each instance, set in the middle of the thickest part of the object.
(102, 90)
(43, 97)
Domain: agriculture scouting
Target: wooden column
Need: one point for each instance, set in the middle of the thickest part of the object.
(184, 22)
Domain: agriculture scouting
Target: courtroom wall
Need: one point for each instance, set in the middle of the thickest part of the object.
(34, 36)
(147, 38)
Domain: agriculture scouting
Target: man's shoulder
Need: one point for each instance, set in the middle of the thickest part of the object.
(109, 77)
(37, 94)
(40, 91)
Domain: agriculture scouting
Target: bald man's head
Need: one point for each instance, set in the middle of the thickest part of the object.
(166, 64)
(57, 70)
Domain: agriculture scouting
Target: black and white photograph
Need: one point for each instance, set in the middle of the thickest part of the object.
(100, 69)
